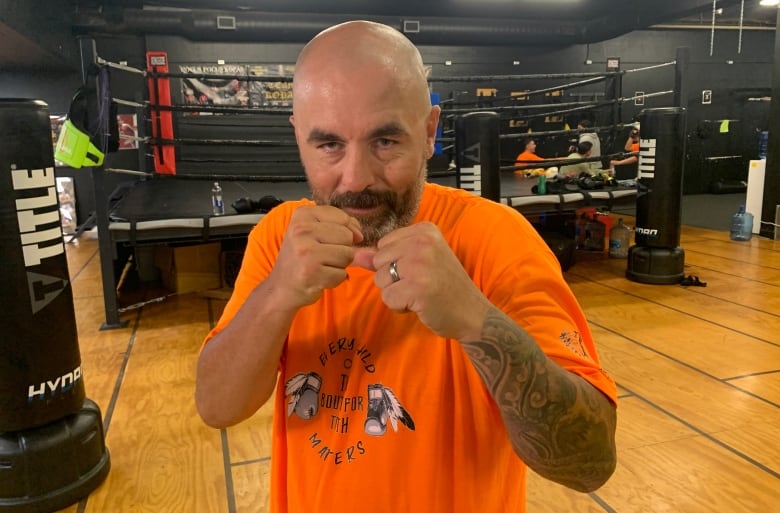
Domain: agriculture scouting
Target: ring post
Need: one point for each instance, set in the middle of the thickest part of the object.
(657, 257)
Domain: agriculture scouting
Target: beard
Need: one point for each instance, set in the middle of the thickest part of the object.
(397, 209)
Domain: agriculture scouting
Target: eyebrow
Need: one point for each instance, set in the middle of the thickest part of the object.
(391, 129)
(317, 135)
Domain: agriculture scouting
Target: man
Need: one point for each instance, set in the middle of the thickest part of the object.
(529, 156)
(589, 136)
(631, 147)
(583, 151)
(593, 138)
(404, 320)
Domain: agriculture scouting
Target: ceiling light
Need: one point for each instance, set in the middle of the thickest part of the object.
(768, 3)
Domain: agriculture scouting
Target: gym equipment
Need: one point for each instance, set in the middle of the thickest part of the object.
(51, 439)
(657, 257)
(478, 155)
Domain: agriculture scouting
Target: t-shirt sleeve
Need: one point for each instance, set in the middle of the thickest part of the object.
(262, 248)
(523, 278)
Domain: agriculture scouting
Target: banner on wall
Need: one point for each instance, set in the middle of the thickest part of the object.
(230, 91)
(128, 131)
(270, 93)
(233, 88)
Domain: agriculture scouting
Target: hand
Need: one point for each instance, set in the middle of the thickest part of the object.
(317, 248)
(432, 282)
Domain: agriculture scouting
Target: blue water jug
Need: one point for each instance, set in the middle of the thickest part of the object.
(741, 225)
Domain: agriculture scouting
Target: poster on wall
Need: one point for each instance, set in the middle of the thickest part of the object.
(66, 194)
(229, 90)
(271, 93)
(233, 87)
(128, 131)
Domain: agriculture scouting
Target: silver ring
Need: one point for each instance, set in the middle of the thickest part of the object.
(393, 269)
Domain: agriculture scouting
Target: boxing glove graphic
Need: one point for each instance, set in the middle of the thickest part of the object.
(302, 390)
(384, 405)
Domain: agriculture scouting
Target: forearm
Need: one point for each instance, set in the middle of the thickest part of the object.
(625, 161)
(560, 425)
(237, 369)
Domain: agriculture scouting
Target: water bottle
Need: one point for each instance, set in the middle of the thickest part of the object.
(741, 225)
(541, 185)
(619, 240)
(216, 200)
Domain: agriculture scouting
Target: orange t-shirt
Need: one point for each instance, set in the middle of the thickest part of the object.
(526, 156)
(374, 412)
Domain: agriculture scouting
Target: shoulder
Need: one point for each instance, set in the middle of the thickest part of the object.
(457, 210)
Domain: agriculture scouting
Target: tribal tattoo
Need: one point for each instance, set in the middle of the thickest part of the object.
(559, 424)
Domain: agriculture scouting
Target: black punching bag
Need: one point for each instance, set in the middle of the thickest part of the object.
(51, 437)
(478, 154)
(657, 257)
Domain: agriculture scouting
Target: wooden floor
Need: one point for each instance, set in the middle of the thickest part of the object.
(698, 370)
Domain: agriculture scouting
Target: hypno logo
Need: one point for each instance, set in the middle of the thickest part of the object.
(650, 232)
(40, 233)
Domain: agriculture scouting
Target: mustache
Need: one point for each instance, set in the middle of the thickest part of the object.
(363, 199)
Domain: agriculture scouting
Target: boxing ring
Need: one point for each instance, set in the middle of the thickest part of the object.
(171, 201)
(171, 210)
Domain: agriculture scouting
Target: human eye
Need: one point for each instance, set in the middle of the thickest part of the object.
(384, 143)
(329, 146)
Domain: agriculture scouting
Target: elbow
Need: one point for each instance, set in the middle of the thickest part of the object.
(601, 473)
(210, 414)
(599, 465)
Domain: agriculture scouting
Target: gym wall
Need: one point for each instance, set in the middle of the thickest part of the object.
(731, 84)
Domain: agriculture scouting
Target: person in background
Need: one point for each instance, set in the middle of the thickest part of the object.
(584, 150)
(423, 345)
(528, 156)
(590, 136)
(631, 146)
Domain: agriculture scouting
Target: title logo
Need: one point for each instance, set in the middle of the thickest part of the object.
(40, 233)
(647, 158)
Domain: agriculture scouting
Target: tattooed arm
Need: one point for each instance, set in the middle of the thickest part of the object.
(559, 424)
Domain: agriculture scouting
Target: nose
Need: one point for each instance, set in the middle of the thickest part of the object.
(360, 169)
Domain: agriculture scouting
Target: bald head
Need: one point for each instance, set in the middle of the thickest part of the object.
(359, 49)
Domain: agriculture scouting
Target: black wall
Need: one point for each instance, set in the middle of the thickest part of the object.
(732, 85)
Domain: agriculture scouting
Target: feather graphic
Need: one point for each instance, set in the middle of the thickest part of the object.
(294, 389)
(395, 411)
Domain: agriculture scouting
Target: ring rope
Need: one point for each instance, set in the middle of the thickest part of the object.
(224, 142)
(217, 109)
(208, 76)
(485, 78)
(240, 161)
(647, 95)
(127, 171)
(654, 66)
(518, 107)
(592, 105)
(572, 131)
(123, 67)
(234, 178)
